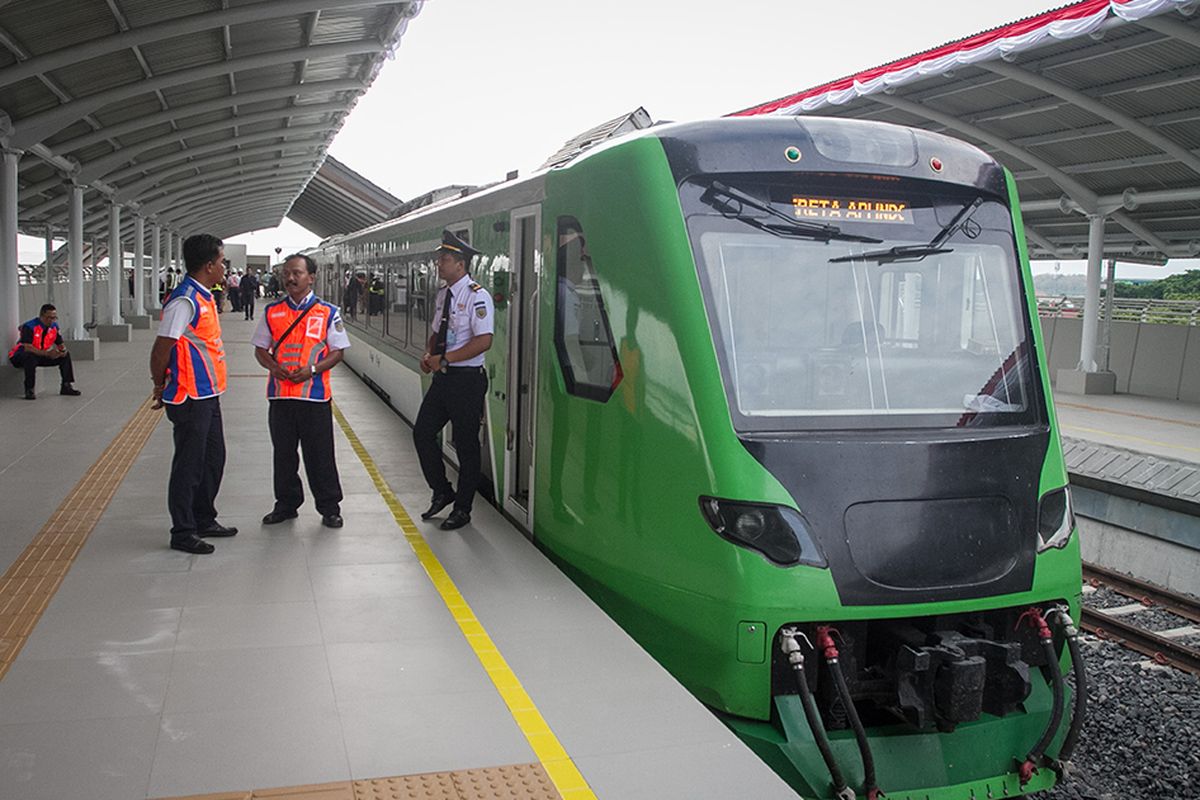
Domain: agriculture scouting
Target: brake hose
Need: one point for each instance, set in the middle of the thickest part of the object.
(791, 648)
(825, 642)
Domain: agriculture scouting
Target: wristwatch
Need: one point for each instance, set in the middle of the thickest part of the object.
(443, 364)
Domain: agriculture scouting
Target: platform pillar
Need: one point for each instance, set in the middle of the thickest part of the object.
(10, 283)
(50, 266)
(1087, 377)
(74, 330)
(139, 266)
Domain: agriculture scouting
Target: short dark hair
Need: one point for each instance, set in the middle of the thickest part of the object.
(47, 307)
(199, 250)
(309, 263)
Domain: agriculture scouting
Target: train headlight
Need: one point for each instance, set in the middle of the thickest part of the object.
(1056, 520)
(778, 532)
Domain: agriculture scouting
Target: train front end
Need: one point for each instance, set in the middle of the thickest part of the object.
(871, 308)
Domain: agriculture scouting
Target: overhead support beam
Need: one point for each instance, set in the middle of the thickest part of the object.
(1171, 27)
(1087, 200)
(38, 127)
(133, 191)
(219, 104)
(99, 167)
(1081, 100)
(181, 26)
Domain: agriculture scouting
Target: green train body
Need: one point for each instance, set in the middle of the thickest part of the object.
(677, 386)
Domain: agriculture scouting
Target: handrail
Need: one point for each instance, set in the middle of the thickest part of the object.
(1126, 309)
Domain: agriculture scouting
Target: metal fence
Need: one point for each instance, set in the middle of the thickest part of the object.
(1126, 309)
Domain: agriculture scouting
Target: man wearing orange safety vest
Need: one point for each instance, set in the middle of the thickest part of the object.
(298, 340)
(187, 365)
(40, 344)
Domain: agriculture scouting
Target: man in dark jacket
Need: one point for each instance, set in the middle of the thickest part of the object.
(249, 289)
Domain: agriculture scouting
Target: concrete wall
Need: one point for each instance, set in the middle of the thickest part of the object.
(34, 295)
(1151, 559)
(1149, 359)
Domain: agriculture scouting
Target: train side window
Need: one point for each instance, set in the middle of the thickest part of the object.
(582, 336)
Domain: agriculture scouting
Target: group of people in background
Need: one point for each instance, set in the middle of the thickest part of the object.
(242, 287)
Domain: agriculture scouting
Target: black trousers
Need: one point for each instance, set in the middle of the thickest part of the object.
(456, 396)
(248, 305)
(198, 465)
(308, 425)
(30, 363)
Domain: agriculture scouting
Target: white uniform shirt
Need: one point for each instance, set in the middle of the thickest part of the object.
(471, 314)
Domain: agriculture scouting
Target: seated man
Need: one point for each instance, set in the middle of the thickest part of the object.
(41, 345)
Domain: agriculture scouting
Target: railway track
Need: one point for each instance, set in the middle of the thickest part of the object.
(1112, 624)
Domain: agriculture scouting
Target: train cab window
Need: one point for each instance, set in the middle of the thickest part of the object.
(582, 336)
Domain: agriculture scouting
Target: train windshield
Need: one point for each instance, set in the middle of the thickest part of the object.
(843, 301)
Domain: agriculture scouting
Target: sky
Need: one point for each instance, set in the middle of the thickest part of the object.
(478, 88)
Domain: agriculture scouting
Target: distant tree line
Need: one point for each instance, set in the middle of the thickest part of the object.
(1184, 286)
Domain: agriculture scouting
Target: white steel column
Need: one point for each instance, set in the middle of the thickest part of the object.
(49, 265)
(1091, 300)
(156, 265)
(74, 328)
(139, 268)
(10, 282)
(116, 263)
(179, 254)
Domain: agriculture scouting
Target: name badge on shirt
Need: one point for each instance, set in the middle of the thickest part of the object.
(313, 327)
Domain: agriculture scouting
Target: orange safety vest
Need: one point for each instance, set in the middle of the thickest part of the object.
(40, 333)
(197, 366)
(304, 346)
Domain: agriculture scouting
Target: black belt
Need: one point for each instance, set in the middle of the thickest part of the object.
(461, 370)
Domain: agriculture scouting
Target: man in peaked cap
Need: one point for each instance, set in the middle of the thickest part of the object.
(460, 334)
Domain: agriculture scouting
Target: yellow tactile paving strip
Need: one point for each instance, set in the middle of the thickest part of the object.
(29, 584)
(551, 755)
(516, 782)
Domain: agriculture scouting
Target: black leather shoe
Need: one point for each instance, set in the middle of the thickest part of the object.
(217, 529)
(29, 395)
(191, 543)
(457, 519)
(439, 502)
(332, 521)
(278, 516)
(69, 390)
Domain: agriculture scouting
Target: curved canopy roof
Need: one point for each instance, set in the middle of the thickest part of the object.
(1093, 106)
(197, 114)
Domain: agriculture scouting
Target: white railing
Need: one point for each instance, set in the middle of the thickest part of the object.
(1126, 309)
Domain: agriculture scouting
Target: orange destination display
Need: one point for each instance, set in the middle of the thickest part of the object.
(852, 209)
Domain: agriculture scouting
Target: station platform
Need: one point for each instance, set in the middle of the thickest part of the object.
(385, 659)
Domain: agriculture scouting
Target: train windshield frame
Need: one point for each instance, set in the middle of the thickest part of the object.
(891, 303)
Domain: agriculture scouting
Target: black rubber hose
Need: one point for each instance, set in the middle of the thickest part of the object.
(1039, 749)
(818, 730)
(1079, 706)
(860, 733)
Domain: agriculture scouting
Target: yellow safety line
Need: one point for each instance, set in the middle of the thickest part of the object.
(1132, 438)
(1167, 420)
(28, 586)
(550, 753)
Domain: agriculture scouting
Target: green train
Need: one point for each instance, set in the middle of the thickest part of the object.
(772, 392)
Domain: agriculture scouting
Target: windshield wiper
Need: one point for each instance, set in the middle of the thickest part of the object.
(732, 204)
(917, 252)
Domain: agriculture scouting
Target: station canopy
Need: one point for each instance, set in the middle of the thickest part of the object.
(196, 114)
(1093, 106)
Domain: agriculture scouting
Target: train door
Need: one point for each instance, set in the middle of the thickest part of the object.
(525, 225)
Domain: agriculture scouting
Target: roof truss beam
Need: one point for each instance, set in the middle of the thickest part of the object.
(32, 130)
(1078, 98)
(194, 23)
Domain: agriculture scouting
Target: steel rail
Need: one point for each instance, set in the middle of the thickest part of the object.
(1146, 593)
(1162, 650)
